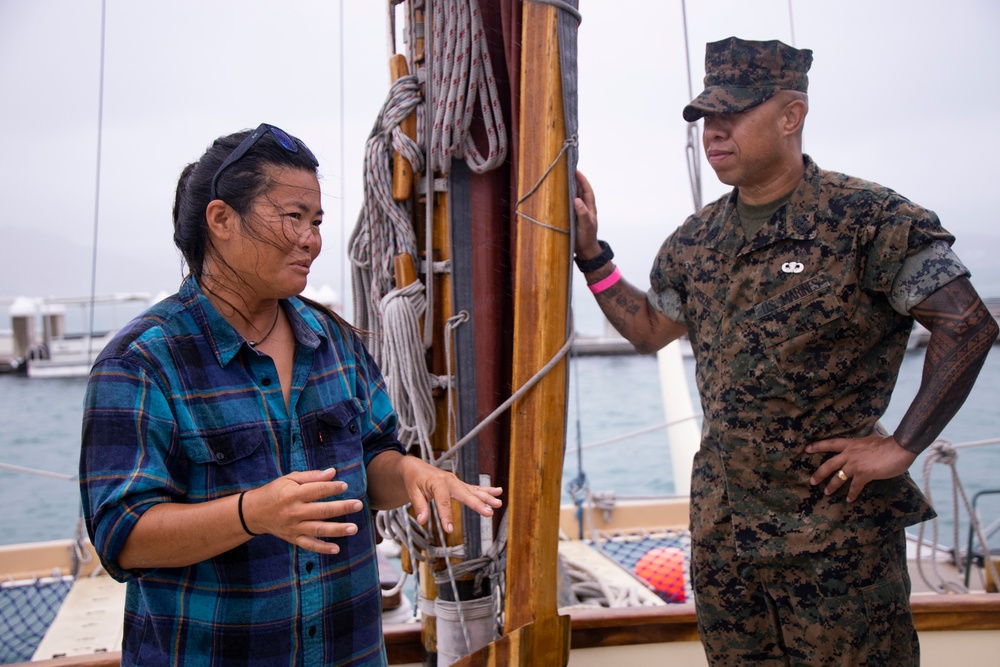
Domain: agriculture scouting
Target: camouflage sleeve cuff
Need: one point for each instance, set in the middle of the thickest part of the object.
(923, 273)
(667, 302)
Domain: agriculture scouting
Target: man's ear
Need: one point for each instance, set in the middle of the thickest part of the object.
(222, 220)
(794, 116)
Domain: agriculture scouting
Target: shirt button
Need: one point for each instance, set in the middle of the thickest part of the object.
(220, 456)
(309, 567)
(266, 382)
(312, 631)
(353, 428)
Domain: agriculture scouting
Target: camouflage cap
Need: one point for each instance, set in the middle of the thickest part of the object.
(740, 74)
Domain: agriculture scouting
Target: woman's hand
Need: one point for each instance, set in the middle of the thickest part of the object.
(395, 479)
(425, 483)
(292, 508)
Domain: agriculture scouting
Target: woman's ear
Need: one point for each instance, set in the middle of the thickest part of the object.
(222, 220)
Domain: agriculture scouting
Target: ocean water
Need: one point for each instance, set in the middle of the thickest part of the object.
(608, 397)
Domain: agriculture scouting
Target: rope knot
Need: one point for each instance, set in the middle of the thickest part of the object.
(943, 451)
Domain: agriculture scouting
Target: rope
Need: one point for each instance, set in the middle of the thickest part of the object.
(34, 471)
(460, 71)
(570, 142)
(632, 434)
(461, 67)
(945, 453)
(407, 383)
(449, 345)
(451, 579)
(97, 183)
(383, 229)
(591, 589)
(453, 451)
(692, 149)
(457, 68)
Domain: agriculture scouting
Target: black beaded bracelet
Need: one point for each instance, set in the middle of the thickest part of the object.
(239, 508)
(594, 263)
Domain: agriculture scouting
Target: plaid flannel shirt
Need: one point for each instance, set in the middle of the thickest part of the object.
(179, 409)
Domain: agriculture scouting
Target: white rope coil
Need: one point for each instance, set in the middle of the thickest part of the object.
(407, 381)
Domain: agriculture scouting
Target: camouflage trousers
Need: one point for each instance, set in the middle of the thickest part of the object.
(847, 607)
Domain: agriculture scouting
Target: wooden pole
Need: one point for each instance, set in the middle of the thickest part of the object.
(541, 277)
(534, 632)
(402, 170)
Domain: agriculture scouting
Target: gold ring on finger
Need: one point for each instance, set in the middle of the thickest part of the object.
(842, 475)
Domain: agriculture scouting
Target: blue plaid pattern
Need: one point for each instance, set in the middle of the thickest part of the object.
(179, 409)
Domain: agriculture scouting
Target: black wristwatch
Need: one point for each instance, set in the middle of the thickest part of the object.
(591, 265)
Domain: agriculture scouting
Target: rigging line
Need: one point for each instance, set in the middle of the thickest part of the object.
(34, 471)
(632, 434)
(578, 487)
(429, 41)
(556, 358)
(343, 168)
(687, 48)
(791, 21)
(451, 579)
(97, 184)
(976, 443)
(692, 154)
(575, 356)
(567, 144)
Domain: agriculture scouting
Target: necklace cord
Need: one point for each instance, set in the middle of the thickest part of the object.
(255, 343)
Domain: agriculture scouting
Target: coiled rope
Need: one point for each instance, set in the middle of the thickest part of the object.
(461, 68)
(943, 452)
(384, 228)
(403, 351)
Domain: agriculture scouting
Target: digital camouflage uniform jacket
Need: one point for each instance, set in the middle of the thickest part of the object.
(798, 334)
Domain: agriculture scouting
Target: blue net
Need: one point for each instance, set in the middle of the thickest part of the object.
(26, 611)
(662, 559)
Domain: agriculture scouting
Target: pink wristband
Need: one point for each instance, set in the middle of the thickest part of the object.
(605, 283)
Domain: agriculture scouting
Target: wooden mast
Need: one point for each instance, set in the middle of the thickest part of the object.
(535, 634)
(541, 275)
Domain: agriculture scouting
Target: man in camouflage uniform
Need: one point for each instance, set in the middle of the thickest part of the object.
(798, 291)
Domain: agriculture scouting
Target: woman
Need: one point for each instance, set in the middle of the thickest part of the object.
(237, 438)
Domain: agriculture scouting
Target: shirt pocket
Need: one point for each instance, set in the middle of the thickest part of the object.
(803, 326)
(704, 319)
(224, 460)
(333, 440)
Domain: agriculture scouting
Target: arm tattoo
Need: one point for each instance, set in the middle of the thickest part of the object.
(962, 332)
(620, 307)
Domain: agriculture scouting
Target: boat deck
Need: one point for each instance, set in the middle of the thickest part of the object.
(89, 620)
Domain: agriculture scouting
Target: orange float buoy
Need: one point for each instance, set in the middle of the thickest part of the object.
(663, 568)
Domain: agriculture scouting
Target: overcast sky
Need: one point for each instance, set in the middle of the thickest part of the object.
(903, 92)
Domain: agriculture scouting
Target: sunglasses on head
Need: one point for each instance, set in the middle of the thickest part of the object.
(263, 129)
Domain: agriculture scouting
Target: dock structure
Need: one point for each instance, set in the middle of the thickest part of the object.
(36, 339)
(611, 343)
